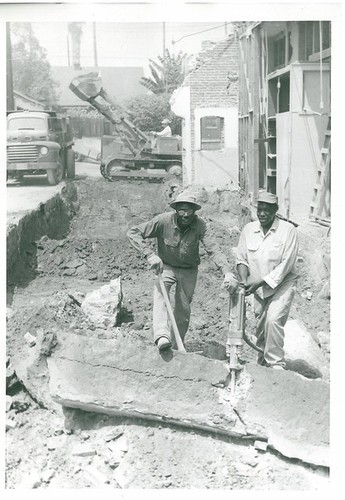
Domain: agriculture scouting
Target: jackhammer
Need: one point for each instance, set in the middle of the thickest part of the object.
(236, 334)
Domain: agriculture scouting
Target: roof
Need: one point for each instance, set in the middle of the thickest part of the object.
(28, 112)
(120, 83)
(26, 98)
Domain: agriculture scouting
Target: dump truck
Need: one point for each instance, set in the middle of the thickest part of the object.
(39, 142)
(127, 148)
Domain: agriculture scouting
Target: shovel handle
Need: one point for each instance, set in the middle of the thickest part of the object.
(179, 343)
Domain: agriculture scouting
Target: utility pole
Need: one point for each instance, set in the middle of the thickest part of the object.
(68, 56)
(164, 59)
(9, 78)
(95, 44)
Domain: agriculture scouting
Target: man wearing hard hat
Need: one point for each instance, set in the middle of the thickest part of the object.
(266, 256)
(178, 236)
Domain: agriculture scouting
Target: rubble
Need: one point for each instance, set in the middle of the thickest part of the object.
(260, 445)
(10, 424)
(84, 450)
(30, 339)
(302, 353)
(96, 477)
(8, 403)
(103, 306)
(112, 434)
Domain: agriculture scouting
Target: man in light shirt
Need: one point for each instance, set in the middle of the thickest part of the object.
(166, 132)
(266, 257)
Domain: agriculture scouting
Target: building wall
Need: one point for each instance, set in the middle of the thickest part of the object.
(217, 168)
(180, 105)
(214, 92)
(300, 126)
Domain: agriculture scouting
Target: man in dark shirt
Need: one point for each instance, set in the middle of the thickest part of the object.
(178, 235)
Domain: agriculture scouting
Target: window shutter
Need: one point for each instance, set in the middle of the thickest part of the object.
(211, 132)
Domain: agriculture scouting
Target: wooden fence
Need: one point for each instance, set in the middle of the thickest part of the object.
(84, 126)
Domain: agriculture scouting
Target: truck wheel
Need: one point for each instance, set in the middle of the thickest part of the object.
(70, 164)
(174, 170)
(78, 156)
(55, 176)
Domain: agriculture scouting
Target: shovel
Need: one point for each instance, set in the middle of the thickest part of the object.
(178, 340)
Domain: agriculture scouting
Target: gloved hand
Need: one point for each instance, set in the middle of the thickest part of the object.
(230, 283)
(155, 263)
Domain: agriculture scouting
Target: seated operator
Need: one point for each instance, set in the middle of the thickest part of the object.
(166, 132)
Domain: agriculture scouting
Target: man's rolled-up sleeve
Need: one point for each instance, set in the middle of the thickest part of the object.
(276, 276)
(138, 234)
(213, 250)
(242, 257)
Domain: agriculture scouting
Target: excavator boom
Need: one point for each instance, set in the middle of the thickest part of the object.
(127, 148)
(89, 88)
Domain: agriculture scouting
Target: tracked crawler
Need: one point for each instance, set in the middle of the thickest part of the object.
(127, 148)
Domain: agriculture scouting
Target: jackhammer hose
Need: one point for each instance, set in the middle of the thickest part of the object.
(246, 338)
(251, 344)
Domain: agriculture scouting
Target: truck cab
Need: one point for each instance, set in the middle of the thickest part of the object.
(39, 142)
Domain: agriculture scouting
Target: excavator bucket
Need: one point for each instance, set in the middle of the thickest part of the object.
(86, 86)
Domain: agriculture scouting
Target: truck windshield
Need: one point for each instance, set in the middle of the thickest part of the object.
(26, 123)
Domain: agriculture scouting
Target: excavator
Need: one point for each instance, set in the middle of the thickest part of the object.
(128, 148)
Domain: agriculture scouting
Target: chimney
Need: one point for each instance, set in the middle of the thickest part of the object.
(76, 31)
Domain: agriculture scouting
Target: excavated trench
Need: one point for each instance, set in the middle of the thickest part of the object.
(72, 245)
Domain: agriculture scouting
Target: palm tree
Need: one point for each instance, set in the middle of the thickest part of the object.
(167, 75)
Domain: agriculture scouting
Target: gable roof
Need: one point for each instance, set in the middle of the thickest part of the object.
(120, 83)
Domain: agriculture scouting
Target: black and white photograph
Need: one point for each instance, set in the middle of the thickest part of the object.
(167, 204)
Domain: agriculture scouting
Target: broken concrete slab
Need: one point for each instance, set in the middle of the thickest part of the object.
(112, 434)
(125, 377)
(84, 450)
(103, 306)
(302, 354)
(31, 369)
(294, 411)
(129, 378)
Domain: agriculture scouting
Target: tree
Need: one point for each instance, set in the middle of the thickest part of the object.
(147, 112)
(166, 76)
(31, 69)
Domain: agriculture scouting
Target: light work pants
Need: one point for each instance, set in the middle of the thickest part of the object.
(184, 281)
(271, 314)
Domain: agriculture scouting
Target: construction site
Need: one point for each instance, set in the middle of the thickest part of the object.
(90, 400)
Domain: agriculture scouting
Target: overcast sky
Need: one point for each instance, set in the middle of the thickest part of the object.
(127, 44)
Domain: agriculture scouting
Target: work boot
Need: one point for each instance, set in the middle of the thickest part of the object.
(163, 343)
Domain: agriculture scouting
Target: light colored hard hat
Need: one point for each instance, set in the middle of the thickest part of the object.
(266, 197)
(185, 198)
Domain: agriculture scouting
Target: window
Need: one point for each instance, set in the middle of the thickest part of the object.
(55, 124)
(309, 33)
(212, 133)
(26, 123)
(279, 52)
